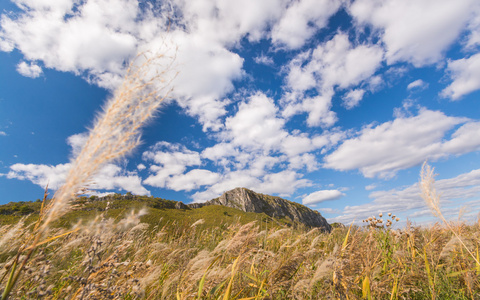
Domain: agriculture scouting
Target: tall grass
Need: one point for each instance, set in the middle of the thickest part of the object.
(116, 132)
(125, 258)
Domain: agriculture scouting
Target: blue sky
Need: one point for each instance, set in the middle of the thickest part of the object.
(333, 104)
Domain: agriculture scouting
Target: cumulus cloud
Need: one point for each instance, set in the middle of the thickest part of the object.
(168, 160)
(465, 74)
(413, 31)
(321, 196)
(256, 124)
(301, 20)
(283, 183)
(474, 28)
(42, 175)
(110, 177)
(353, 98)
(406, 201)
(207, 72)
(76, 142)
(193, 180)
(335, 64)
(31, 70)
(95, 36)
(384, 149)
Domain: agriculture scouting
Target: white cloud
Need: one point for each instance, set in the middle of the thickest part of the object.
(321, 196)
(417, 85)
(207, 70)
(227, 21)
(370, 187)
(96, 37)
(256, 125)
(77, 141)
(192, 180)
(264, 60)
(109, 177)
(465, 73)
(112, 177)
(31, 70)
(318, 108)
(415, 31)
(384, 149)
(474, 28)
(353, 98)
(407, 202)
(3, 133)
(283, 183)
(42, 175)
(301, 20)
(169, 160)
(334, 64)
(230, 181)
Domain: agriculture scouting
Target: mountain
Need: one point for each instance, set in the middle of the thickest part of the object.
(250, 201)
(239, 203)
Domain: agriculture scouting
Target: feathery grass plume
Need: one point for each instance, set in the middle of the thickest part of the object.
(117, 129)
(116, 132)
(429, 194)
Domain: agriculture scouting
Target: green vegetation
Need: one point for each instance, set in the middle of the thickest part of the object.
(159, 212)
(130, 247)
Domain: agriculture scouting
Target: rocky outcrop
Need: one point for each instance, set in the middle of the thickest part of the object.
(180, 205)
(196, 205)
(249, 201)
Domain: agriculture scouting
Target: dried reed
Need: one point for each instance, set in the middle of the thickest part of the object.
(116, 133)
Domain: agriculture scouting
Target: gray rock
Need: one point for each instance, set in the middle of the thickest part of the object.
(180, 205)
(196, 205)
(249, 201)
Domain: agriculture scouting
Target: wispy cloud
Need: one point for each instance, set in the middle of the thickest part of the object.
(321, 196)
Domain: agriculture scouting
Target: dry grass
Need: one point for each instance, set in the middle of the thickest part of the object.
(127, 259)
(116, 132)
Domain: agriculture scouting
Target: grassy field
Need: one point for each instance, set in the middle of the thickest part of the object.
(143, 248)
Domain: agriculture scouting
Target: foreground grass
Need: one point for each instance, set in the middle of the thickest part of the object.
(215, 252)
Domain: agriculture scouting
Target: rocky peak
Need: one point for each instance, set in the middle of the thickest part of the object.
(249, 201)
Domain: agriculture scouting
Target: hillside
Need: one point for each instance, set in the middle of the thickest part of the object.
(130, 247)
(242, 204)
(248, 201)
(155, 212)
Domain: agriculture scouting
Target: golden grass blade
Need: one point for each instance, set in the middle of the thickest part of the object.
(53, 238)
(10, 282)
(202, 281)
(260, 289)
(454, 274)
(394, 289)
(366, 293)
(477, 264)
(345, 241)
(228, 292)
(431, 281)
